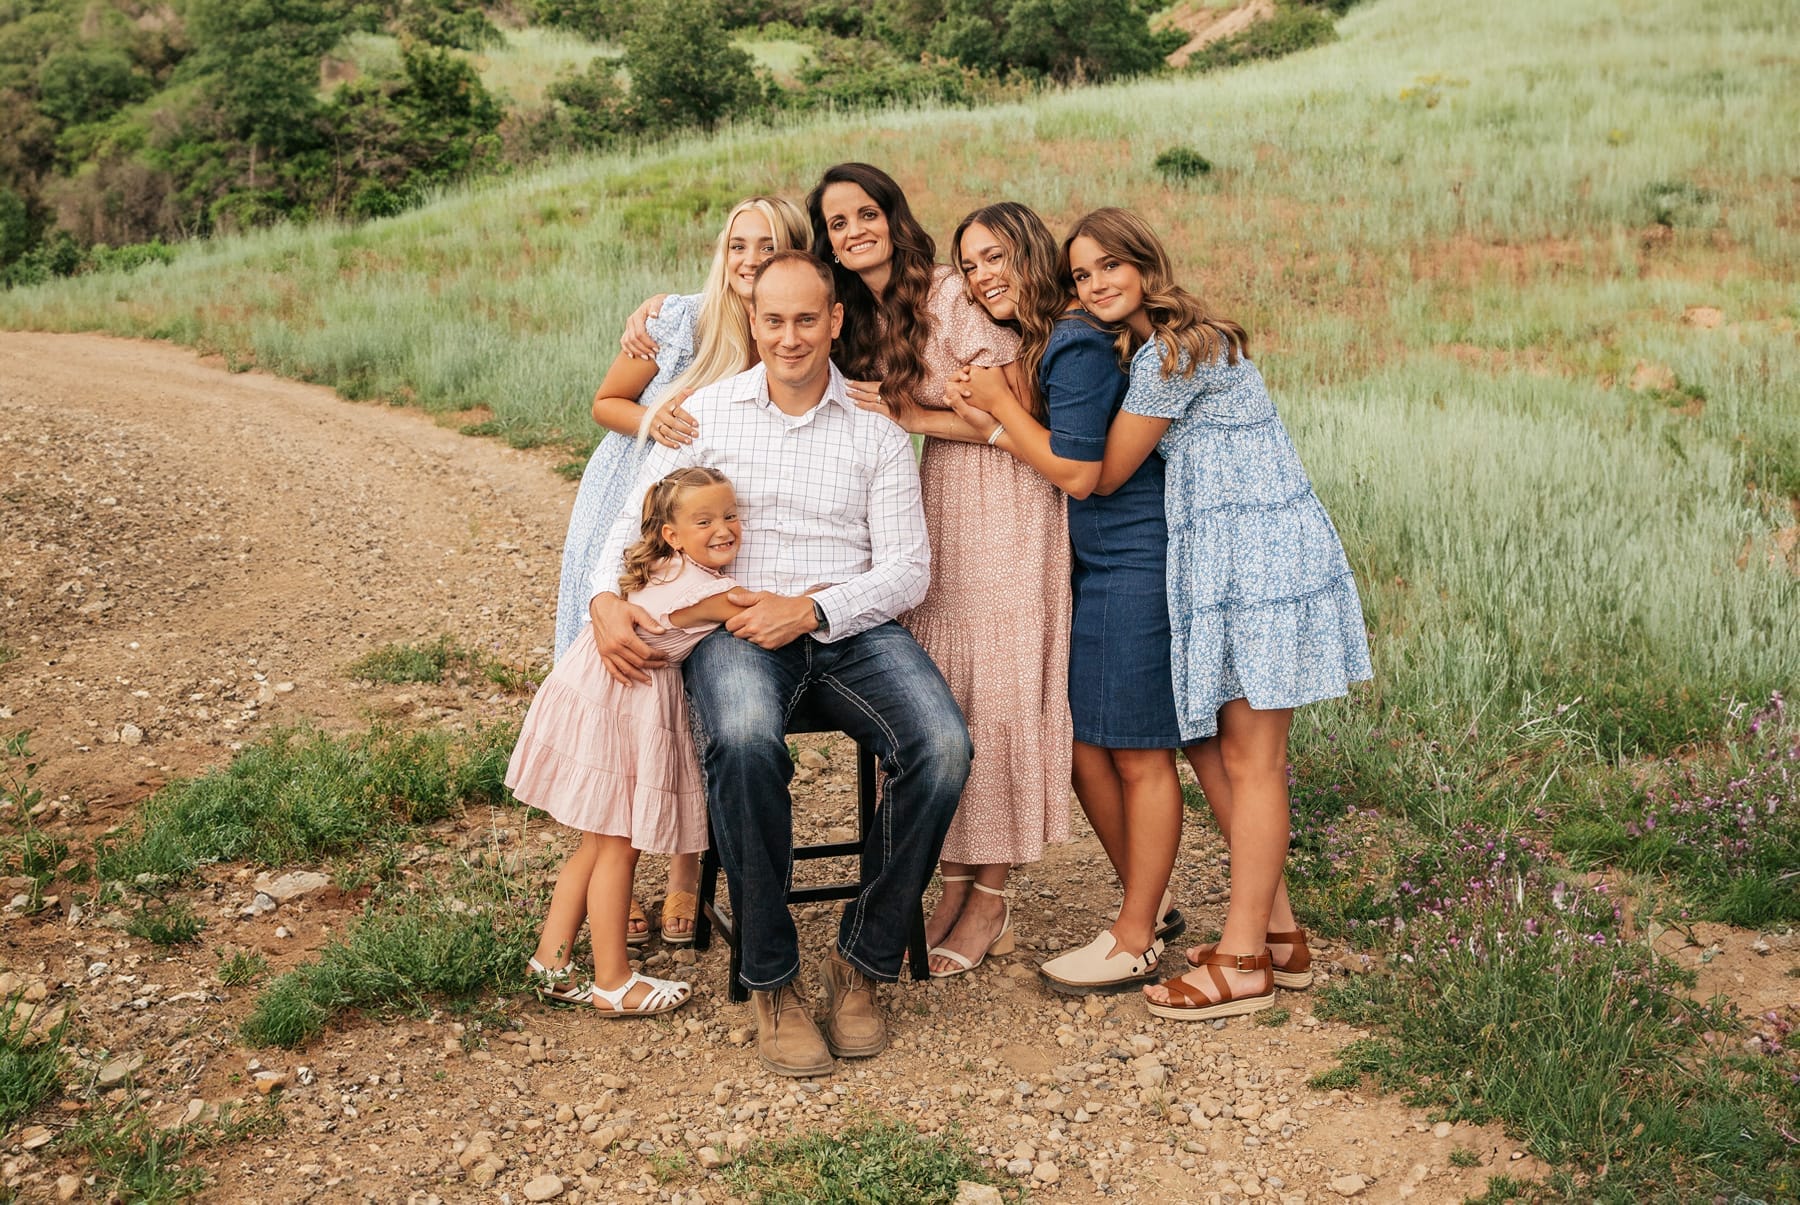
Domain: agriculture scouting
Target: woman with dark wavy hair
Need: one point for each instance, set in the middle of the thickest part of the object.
(997, 530)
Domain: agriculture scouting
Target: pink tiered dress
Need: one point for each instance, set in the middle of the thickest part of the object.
(996, 618)
(617, 759)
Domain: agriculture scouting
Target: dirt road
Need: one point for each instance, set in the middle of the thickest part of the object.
(189, 556)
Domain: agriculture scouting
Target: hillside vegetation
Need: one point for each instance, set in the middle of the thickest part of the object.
(1523, 278)
(128, 123)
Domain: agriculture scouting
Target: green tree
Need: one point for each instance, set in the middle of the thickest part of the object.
(601, 20)
(396, 137)
(1060, 39)
(82, 84)
(684, 69)
(592, 110)
(261, 62)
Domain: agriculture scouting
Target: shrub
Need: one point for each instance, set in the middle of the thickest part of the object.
(1060, 39)
(1182, 163)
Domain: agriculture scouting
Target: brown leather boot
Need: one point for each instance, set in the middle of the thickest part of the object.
(787, 1041)
(854, 1025)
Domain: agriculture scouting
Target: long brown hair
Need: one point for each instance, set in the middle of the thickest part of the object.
(1178, 319)
(883, 337)
(660, 503)
(1041, 293)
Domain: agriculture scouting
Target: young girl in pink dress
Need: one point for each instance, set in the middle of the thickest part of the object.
(616, 762)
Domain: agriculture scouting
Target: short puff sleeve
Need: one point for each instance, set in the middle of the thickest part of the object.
(689, 586)
(1080, 376)
(674, 329)
(1153, 395)
(963, 328)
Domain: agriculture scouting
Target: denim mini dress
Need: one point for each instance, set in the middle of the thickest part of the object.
(1121, 692)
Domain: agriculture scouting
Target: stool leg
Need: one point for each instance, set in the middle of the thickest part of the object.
(734, 989)
(708, 887)
(916, 948)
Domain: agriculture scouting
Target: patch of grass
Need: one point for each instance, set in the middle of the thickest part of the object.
(412, 943)
(241, 968)
(668, 1165)
(1342, 1079)
(25, 849)
(1725, 833)
(172, 924)
(568, 470)
(1462, 1156)
(302, 795)
(1513, 993)
(1273, 1018)
(9, 653)
(874, 1160)
(30, 1067)
(135, 1160)
(429, 662)
(397, 663)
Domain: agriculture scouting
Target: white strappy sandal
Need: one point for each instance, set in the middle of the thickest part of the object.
(553, 985)
(666, 995)
(1003, 942)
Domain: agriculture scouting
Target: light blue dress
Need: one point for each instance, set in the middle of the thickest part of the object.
(614, 466)
(1262, 603)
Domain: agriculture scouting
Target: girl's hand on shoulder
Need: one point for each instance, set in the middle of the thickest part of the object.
(636, 341)
(867, 396)
(672, 426)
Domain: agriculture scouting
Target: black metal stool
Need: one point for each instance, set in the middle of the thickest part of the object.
(710, 917)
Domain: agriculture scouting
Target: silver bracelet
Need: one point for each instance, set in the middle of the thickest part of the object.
(995, 434)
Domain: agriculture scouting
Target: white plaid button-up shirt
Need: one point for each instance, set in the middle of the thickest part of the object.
(831, 496)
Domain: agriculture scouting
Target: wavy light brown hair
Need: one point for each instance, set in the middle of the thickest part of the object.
(883, 337)
(660, 504)
(1041, 291)
(1178, 319)
(722, 328)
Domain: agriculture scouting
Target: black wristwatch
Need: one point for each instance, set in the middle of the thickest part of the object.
(824, 628)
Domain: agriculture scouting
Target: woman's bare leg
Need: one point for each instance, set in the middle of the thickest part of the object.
(979, 918)
(1209, 768)
(1150, 811)
(1253, 752)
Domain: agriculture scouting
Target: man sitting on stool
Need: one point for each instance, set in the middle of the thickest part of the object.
(829, 494)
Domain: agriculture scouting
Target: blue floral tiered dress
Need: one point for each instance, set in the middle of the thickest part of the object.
(1262, 603)
(614, 466)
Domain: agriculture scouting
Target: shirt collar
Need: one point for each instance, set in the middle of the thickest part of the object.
(757, 388)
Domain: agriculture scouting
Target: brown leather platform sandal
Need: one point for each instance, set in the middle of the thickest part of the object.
(1196, 1006)
(1294, 972)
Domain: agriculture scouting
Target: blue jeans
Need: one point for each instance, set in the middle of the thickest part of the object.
(880, 688)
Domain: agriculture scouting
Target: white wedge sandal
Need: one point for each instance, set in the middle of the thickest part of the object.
(666, 995)
(1003, 942)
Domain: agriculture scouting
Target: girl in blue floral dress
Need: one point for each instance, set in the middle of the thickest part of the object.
(1263, 609)
(703, 337)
